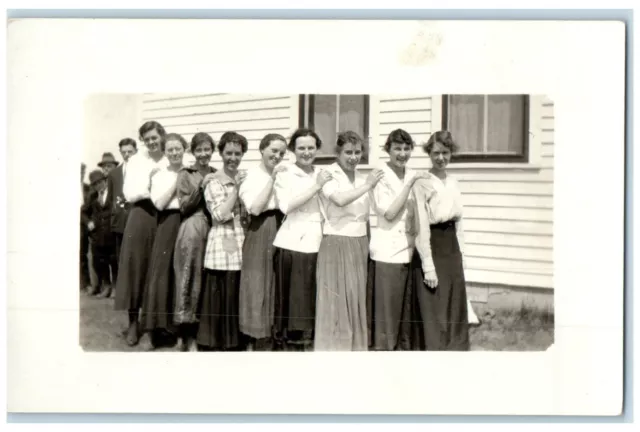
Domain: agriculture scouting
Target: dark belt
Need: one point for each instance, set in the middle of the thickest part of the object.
(444, 225)
(273, 212)
(169, 211)
(146, 205)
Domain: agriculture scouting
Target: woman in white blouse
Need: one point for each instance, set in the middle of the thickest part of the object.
(140, 229)
(437, 270)
(392, 244)
(257, 278)
(341, 313)
(157, 302)
(297, 243)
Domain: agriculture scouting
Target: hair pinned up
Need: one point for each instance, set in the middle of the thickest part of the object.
(264, 143)
(235, 138)
(149, 126)
(303, 132)
(201, 138)
(443, 137)
(175, 137)
(399, 136)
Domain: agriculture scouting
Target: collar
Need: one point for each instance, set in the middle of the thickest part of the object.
(194, 168)
(300, 172)
(223, 178)
(337, 169)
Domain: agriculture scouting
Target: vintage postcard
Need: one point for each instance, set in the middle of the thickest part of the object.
(336, 217)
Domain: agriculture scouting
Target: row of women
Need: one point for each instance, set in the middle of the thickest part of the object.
(282, 257)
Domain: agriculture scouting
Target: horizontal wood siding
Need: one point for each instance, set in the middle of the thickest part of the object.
(508, 211)
(252, 115)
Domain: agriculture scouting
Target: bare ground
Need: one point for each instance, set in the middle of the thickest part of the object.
(524, 329)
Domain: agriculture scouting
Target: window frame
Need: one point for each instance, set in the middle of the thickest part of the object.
(306, 115)
(524, 157)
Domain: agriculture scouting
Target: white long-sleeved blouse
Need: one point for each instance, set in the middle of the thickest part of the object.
(392, 241)
(301, 230)
(137, 181)
(437, 201)
(161, 183)
(253, 184)
(349, 220)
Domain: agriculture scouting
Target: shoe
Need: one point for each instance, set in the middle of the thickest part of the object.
(132, 334)
(181, 345)
(106, 292)
(146, 342)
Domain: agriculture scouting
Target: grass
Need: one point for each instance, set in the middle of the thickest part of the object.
(524, 329)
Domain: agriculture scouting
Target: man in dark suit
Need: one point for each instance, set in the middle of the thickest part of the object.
(85, 278)
(98, 212)
(115, 197)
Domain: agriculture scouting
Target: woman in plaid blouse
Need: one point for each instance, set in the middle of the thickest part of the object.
(218, 311)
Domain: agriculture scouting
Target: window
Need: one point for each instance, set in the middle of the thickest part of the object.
(328, 115)
(488, 128)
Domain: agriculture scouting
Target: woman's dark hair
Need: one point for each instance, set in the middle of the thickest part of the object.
(235, 138)
(270, 137)
(443, 137)
(149, 126)
(128, 141)
(348, 137)
(201, 138)
(303, 132)
(174, 137)
(399, 136)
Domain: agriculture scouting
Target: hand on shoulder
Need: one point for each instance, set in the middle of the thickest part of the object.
(424, 186)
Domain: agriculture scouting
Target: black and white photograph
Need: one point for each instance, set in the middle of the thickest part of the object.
(317, 222)
(316, 216)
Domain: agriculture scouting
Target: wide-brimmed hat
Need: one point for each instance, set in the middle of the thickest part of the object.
(95, 176)
(107, 158)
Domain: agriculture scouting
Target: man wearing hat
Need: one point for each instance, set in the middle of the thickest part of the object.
(108, 163)
(98, 213)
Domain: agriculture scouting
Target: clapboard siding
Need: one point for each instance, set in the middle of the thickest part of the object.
(508, 208)
(248, 114)
(508, 211)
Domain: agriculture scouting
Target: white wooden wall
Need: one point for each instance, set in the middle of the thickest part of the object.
(508, 207)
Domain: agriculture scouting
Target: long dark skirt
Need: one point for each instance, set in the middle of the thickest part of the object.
(341, 314)
(295, 296)
(135, 255)
(188, 265)
(440, 315)
(157, 302)
(386, 302)
(257, 279)
(218, 312)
